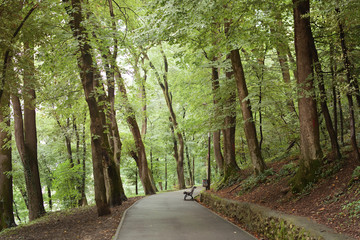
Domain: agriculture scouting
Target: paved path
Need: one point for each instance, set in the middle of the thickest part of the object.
(168, 216)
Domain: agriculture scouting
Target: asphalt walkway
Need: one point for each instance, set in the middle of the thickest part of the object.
(168, 216)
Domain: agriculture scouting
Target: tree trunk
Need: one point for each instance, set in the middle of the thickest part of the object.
(49, 197)
(83, 200)
(114, 189)
(230, 167)
(188, 161)
(116, 142)
(323, 103)
(216, 134)
(26, 139)
(180, 149)
(143, 102)
(6, 189)
(166, 175)
(334, 88)
(87, 72)
(249, 125)
(353, 84)
(179, 165)
(29, 158)
(311, 154)
(282, 48)
(142, 163)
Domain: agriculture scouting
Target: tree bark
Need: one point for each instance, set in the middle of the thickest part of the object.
(143, 101)
(353, 84)
(282, 48)
(187, 152)
(6, 189)
(249, 125)
(87, 72)
(216, 134)
(26, 139)
(230, 166)
(311, 154)
(323, 103)
(83, 201)
(29, 158)
(142, 163)
(180, 149)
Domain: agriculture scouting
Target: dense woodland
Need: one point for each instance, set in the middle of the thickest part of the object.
(96, 95)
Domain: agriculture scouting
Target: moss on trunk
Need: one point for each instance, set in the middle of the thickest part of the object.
(305, 176)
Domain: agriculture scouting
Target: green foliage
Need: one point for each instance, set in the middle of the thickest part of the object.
(288, 169)
(330, 168)
(356, 173)
(353, 208)
(253, 181)
(67, 179)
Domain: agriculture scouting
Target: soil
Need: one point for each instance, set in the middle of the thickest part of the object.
(323, 202)
(79, 223)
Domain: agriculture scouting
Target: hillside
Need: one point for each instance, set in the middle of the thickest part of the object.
(328, 201)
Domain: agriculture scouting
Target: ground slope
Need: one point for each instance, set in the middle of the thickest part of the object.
(323, 202)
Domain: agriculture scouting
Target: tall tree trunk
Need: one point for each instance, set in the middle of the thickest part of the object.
(334, 88)
(323, 103)
(261, 62)
(114, 188)
(165, 89)
(311, 154)
(80, 188)
(31, 171)
(144, 173)
(6, 189)
(166, 175)
(230, 166)
(26, 140)
(143, 101)
(216, 134)
(179, 166)
(187, 152)
(353, 84)
(282, 48)
(87, 72)
(249, 125)
(83, 201)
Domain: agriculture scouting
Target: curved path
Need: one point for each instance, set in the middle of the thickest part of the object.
(168, 216)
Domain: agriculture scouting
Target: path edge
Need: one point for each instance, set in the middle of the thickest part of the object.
(215, 213)
(268, 222)
(116, 236)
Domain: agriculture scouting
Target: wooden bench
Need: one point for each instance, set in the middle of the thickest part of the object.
(189, 193)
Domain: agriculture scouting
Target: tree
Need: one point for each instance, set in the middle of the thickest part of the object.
(310, 150)
(179, 143)
(87, 76)
(140, 155)
(6, 189)
(26, 137)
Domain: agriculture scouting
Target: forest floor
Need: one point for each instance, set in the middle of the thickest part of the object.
(78, 223)
(323, 202)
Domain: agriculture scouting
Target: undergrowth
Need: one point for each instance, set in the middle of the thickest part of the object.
(253, 181)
